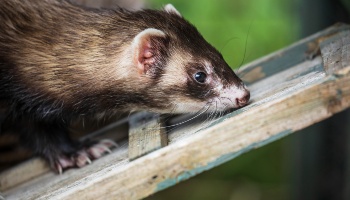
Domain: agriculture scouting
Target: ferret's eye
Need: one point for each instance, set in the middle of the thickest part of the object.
(200, 77)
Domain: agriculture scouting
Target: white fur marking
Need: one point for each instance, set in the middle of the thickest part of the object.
(146, 33)
(229, 95)
(169, 8)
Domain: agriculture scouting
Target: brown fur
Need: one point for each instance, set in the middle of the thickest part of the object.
(59, 61)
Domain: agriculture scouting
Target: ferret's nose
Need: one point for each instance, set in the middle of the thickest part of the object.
(244, 99)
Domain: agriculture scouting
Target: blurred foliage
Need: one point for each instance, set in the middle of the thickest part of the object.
(257, 27)
(266, 25)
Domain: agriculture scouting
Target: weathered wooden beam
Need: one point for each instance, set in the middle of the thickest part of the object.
(221, 142)
(283, 59)
(146, 134)
(335, 52)
(20, 174)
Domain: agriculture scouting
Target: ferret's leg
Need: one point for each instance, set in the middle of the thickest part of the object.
(51, 141)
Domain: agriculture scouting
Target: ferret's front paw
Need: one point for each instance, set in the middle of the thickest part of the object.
(101, 148)
(84, 156)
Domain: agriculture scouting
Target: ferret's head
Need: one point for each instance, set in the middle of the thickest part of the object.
(180, 71)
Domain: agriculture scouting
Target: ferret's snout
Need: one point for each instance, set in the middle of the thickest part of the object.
(234, 97)
(244, 99)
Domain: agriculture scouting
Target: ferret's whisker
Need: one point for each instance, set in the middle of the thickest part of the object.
(197, 114)
(192, 118)
(175, 126)
(245, 47)
(210, 117)
(228, 99)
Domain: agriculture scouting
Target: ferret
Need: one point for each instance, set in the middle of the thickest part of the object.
(59, 62)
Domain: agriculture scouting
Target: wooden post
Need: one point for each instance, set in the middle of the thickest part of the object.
(146, 134)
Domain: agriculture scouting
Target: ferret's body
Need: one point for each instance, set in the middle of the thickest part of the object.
(59, 62)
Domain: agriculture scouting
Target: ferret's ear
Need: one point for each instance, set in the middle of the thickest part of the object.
(169, 8)
(148, 49)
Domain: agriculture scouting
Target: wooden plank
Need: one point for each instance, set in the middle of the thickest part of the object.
(19, 174)
(336, 53)
(182, 160)
(305, 49)
(146, 134)
(297, 100)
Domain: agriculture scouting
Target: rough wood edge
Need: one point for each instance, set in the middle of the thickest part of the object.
(335, 52)
(256, 70)
(24, 172)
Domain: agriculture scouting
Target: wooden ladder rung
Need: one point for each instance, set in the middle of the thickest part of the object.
(146, 134)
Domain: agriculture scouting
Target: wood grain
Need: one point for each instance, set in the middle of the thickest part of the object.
(146, 134)
(19, 174)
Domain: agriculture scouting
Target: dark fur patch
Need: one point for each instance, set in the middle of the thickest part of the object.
(198, 90)
(160, 45)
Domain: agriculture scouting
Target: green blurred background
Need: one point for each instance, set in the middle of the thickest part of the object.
(257, 27)
(267, 24)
